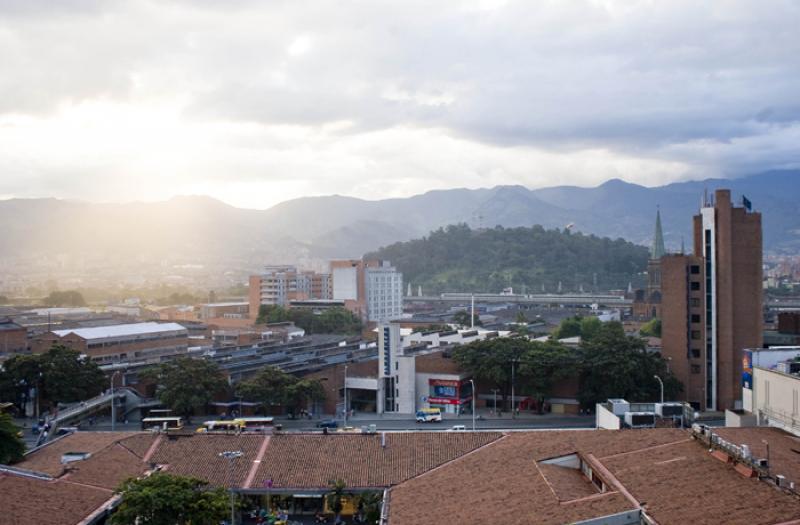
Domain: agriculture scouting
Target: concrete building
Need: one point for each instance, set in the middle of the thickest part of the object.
(712, 303)
(371, 289)
(131, 343)
(278, 285)
(230, 310)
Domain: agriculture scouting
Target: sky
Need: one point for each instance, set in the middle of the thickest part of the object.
(256, 102)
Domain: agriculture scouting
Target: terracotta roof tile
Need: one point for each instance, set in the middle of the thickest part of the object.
(108, 468)
(25, 501)
(197, 455)
(312, 461)
(47, 459)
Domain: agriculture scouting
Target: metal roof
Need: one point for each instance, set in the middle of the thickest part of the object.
(120, 330)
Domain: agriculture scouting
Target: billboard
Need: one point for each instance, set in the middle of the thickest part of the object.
(443, 388)
(747, 369)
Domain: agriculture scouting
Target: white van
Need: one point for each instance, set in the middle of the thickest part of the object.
(428, 415)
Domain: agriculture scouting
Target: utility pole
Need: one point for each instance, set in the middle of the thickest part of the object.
(472, 317)
(345, 395)
(495, 391)
(513, 369)
(474, 402)
(231, 455)
(660, 382)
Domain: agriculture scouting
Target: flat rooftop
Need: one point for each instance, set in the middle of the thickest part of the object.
(120, 330)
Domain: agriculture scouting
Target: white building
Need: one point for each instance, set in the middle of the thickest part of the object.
(371, 289)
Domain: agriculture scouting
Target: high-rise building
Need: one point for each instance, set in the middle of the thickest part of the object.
(647, 302)
(278, 285)
(712, 304)
(371, 289)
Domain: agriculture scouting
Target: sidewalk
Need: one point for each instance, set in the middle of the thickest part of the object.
(483, 415)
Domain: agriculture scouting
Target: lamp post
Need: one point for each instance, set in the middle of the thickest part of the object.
(767, 444)
(474, 398)
(513, 374)
(345, 396)
(660, 382)
(113, 404)
(495, 391)
(230, 455)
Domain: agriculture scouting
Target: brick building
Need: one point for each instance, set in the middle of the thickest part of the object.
(712, 303)
(279, 285)
(13, 338)
(136, 342)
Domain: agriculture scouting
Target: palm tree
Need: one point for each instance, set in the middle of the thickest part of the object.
(335, 498)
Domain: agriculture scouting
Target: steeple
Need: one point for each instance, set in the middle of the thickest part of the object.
(657, 250)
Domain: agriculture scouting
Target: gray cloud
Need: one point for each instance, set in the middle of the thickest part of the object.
(712, 87)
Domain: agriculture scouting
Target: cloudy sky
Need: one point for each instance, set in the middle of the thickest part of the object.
(256, 102)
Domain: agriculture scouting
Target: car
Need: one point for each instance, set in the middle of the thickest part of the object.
(457, 428)
(328, 423)
(350, 430)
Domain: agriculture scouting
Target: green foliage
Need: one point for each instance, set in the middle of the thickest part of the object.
(433, 328)
(335, 320)
(65, 298)
(651, 328)
(370, 505)
(585, 327)
(457, 258)
(489, 361)
(166, 499)
(616, 365)
(185, 384)
(335, 496)
(521, 317)
(462, 318)
(271, 386)
(62, 375)
(542, 365)
(11, 446)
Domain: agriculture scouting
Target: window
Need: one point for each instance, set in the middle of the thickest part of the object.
(695, 353)
(695, 318)
(695, 286)
(696, 334)
(695, 302)
(695, 269)
(695, 369)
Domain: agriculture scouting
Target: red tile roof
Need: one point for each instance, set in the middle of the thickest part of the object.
(47, 459)
(312, 461)
(26, 501)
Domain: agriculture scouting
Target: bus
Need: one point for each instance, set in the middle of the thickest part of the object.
(220, 426)
(427, 415)
(255, 424)
(162, 423)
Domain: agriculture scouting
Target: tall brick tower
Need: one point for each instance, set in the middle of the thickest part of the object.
(711, 303)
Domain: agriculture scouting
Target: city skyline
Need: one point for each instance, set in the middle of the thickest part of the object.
(255, 104)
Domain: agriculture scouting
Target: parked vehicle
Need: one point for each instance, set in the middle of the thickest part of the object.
(328, 423)
(457, 428)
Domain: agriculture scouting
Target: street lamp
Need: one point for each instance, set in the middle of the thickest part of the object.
(113, 404)
(660, 382)
(230, 455)
(495, 391)
(474, 398)
(345, 395)
(513, 373)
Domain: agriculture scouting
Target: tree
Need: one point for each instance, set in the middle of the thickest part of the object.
(336, 496)
(11, 446)
(305, 391)
(270, 386)
(61, 374)
(65, 298)
(569, 327)
(369, 505)
(490, 361)
(462, 318)
(651, 328)
(522, 318)
(186, 384)
(68, 377)
(166, 499)
(616, 365)
(542, 365)
(336, 320)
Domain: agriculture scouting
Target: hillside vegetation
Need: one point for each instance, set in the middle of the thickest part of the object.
(457, 258)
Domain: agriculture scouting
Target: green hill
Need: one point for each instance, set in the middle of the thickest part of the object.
(459, 259)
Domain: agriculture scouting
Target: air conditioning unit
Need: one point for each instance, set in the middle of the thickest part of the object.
(746, 454)
(640, 419)
(672, 409)
(619, 406)
(762, 462)
(780, 480)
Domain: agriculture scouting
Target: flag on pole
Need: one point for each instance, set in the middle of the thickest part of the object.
(747, 204)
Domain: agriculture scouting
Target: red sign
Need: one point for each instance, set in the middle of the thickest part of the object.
(443, 382)
(443, 401)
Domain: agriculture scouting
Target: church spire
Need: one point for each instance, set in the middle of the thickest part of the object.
(657, 250)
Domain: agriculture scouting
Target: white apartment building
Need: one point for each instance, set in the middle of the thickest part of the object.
(371, 289)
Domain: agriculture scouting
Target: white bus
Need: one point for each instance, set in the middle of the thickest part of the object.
(220, 426)
(255, 424)
(162, 423)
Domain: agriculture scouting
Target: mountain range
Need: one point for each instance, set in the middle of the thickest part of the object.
(204, 230)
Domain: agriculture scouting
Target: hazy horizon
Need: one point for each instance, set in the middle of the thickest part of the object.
(257, 103)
